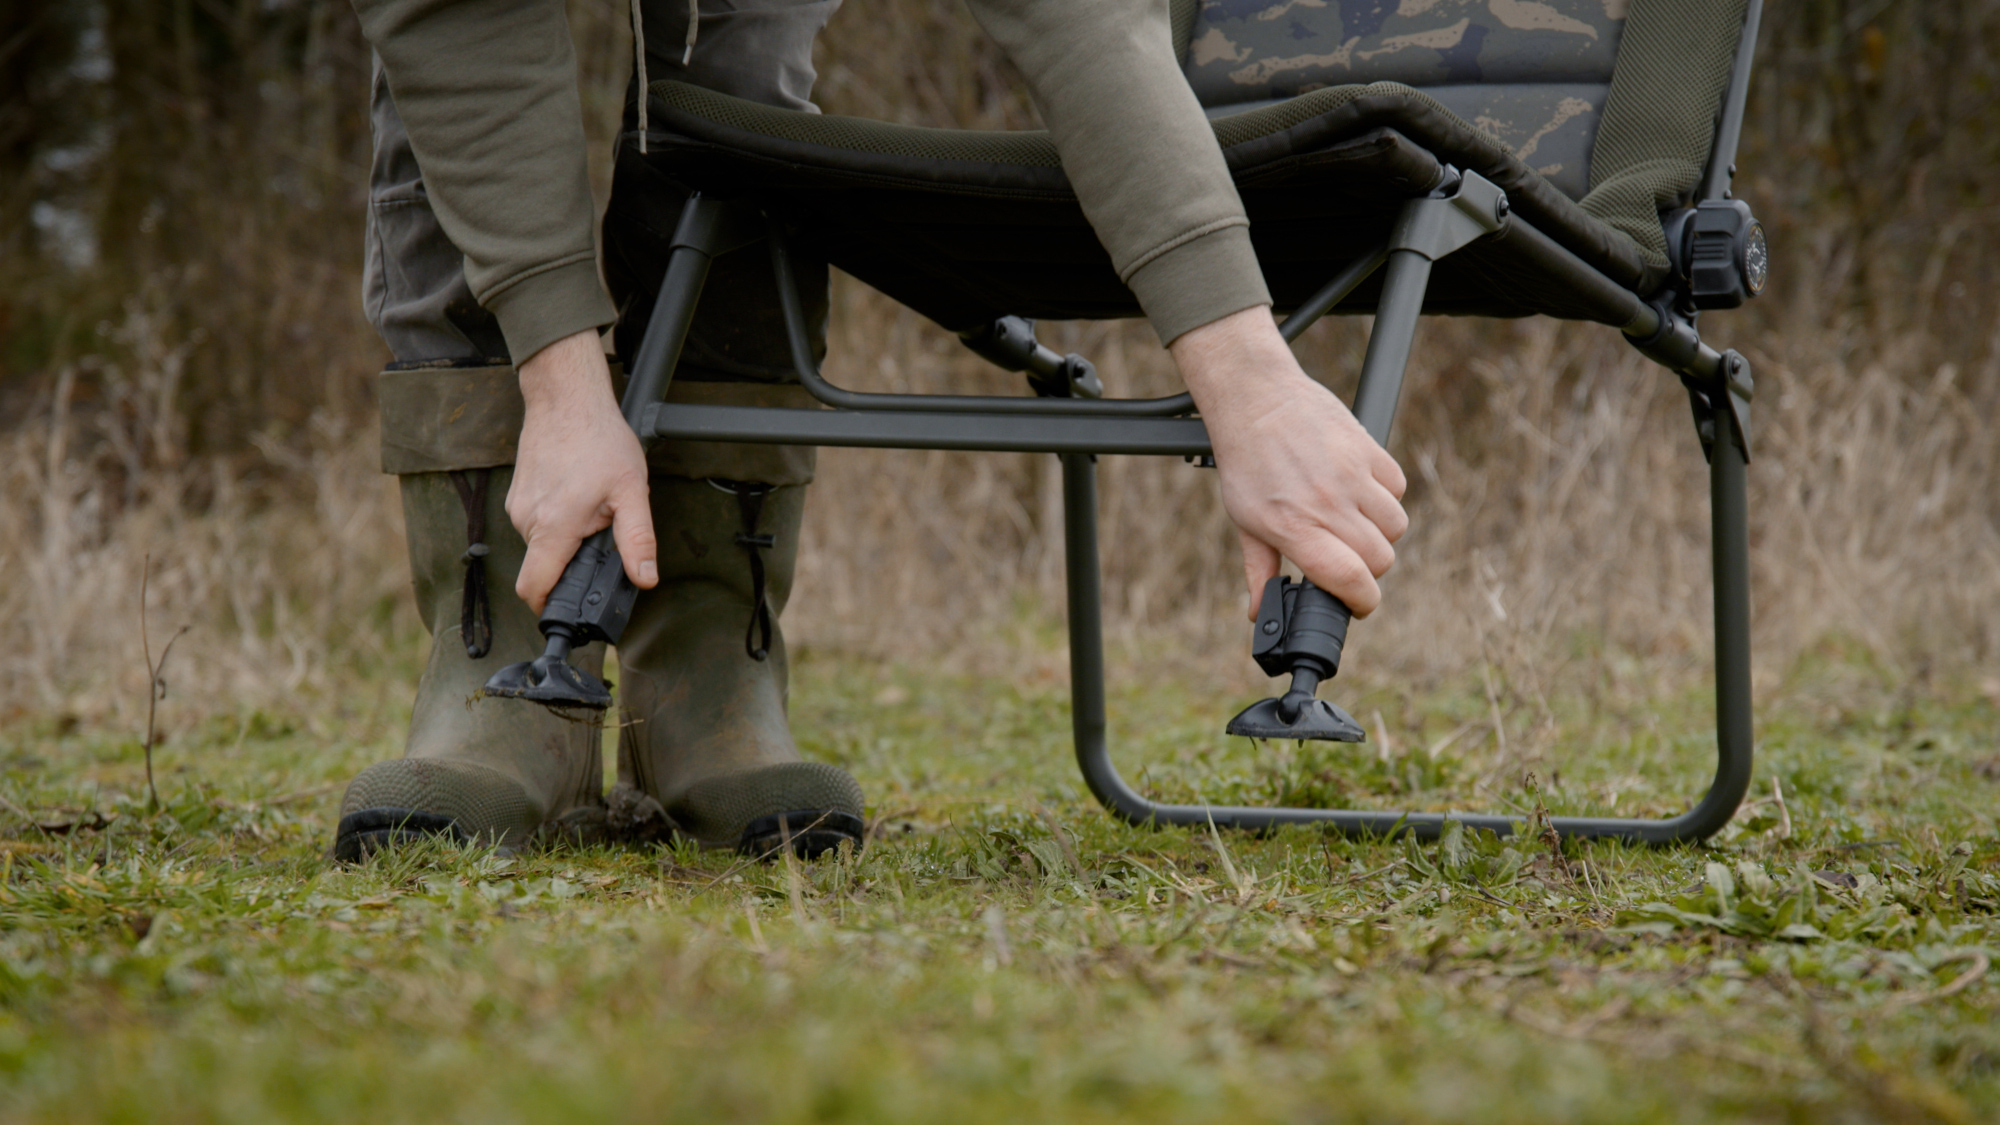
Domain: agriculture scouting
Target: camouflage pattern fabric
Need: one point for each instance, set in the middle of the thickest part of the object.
(1533, 73)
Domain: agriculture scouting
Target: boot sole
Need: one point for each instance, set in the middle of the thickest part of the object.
(365, 834)
(813, 832)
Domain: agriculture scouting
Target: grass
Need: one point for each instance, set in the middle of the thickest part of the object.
(1004, 951)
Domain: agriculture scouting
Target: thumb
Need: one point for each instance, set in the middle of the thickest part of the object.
(1260, 565)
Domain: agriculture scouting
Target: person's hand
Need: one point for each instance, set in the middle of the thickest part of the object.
(1300, 478)
(579, 470)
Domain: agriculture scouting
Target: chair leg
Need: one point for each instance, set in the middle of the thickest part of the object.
(1403, 284)
(1730, 552)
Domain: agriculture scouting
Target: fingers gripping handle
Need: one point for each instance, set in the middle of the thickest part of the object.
(1299, 626)
(593, 599)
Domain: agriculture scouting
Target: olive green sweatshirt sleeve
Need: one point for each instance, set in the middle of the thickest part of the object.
(1138, 151)
(488, 91)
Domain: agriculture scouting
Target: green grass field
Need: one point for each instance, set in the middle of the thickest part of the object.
(1005, 951)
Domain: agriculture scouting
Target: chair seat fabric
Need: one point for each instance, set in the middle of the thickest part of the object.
(966, 225)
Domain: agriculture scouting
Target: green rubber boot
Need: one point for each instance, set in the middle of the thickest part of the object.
(705, 680)
(489, 771)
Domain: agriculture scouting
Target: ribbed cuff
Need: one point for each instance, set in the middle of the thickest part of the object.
(544, 307)
(1199, 281)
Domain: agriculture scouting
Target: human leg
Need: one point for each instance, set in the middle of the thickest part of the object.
(473, 769)
(703, 661)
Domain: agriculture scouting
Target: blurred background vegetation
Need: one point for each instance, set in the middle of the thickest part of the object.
(184, 372)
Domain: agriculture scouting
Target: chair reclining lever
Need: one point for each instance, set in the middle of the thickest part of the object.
(1009, 343)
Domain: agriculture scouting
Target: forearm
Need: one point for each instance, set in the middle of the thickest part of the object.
(488, 92)
(1138, 151)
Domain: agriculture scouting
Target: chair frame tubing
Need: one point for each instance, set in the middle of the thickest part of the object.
(1462, 210)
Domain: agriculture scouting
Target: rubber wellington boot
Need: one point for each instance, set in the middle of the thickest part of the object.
(481, 770)
(705, 678)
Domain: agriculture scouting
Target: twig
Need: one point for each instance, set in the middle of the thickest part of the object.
(1492, 699)
(156, 684)
(1980, 965)
(1445, 743)
(880, 823)
(1784, 814)
(1387, 867)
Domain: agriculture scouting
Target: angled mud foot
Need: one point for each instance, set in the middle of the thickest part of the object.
(1300, 631)
(551, 680)
(1316, 719)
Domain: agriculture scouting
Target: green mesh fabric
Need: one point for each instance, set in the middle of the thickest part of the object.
(1181, 17)
(484, 803)
(1242, 128)
(717, 810)
(1258, 143)
(1659, 123)
(1030, 148)
(1656, 130)
(1026, 148)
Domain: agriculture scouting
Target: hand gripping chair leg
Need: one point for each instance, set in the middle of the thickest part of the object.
(1429, 231)
(1729, 549)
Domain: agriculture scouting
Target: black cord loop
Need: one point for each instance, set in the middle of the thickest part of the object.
(750, 502)
(475, 612)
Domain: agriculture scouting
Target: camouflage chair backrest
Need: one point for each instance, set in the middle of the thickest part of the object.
(1534, 73)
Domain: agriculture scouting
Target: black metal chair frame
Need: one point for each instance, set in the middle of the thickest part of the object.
(1077, 429)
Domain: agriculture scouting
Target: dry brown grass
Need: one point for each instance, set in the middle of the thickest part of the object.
(1559, 502)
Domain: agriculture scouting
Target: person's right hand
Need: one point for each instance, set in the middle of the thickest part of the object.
(579, 470)
(1300, 478)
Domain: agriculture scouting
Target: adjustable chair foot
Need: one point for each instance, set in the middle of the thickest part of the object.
(1300, 629)
(1316, 720)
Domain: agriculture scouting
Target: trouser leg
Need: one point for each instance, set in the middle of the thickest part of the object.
(479, 769)
(703, 662)
(413, 278)
(417, 298)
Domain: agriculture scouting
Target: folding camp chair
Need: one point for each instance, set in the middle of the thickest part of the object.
(1593, 186)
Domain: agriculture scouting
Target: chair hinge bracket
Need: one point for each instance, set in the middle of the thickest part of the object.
(1467, 208)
